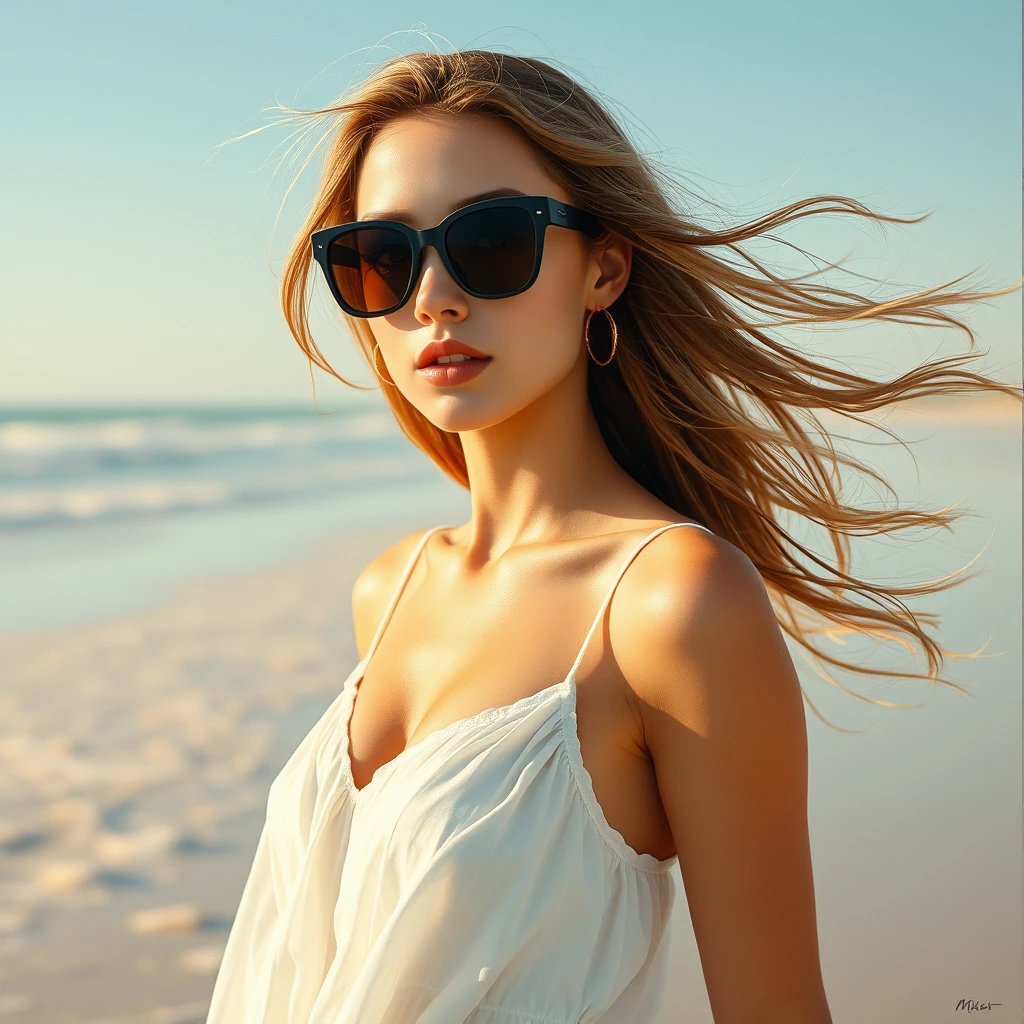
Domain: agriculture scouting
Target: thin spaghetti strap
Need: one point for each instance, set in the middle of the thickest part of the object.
(398, 592)
(615, 583)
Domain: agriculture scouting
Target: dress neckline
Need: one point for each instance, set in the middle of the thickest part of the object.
(565, 690)
(562, 695)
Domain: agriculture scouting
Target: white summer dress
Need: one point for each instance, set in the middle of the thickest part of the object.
(473, 879)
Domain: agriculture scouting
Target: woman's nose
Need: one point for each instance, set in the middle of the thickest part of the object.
(438, 297)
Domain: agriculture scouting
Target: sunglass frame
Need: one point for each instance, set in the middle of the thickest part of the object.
(543, 210)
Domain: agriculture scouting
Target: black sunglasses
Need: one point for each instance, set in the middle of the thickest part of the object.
(492, 250)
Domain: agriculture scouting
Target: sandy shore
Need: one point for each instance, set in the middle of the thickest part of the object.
(135, 756)
(136, 752)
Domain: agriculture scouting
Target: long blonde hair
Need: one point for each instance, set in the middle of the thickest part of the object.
(702, 405)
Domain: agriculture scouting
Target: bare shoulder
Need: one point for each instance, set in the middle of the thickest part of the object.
(374, 586)
(725, 726)
(694, 602)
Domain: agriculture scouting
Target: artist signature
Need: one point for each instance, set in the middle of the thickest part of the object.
(970, 1005)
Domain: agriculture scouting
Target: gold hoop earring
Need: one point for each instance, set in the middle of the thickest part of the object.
(376, 349)
(615, 334)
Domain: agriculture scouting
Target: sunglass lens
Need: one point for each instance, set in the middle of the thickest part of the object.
(371, 268)
(493, 250)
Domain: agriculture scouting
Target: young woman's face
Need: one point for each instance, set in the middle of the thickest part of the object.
(419, 169)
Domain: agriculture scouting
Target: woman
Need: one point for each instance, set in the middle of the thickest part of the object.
(468, 840)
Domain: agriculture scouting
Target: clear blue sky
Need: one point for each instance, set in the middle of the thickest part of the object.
(139, 262)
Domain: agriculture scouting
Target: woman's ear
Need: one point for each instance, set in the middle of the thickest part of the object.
(612, 262)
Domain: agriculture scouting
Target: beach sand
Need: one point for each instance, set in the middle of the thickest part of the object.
(136, 752)
(135, 757)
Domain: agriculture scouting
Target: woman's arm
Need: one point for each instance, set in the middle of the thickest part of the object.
(724, 722)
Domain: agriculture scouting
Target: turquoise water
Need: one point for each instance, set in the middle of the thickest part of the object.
(103, 510)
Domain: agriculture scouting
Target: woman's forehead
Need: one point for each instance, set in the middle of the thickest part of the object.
(422, 164)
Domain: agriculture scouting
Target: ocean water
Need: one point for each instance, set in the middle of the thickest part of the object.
(102, 510)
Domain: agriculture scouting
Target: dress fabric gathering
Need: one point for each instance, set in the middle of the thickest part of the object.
(473, 879)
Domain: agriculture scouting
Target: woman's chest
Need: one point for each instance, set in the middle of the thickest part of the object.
(424, 689)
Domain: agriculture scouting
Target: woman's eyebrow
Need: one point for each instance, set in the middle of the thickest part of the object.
(404, 215)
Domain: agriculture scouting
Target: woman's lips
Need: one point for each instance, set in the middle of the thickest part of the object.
(444, 375)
